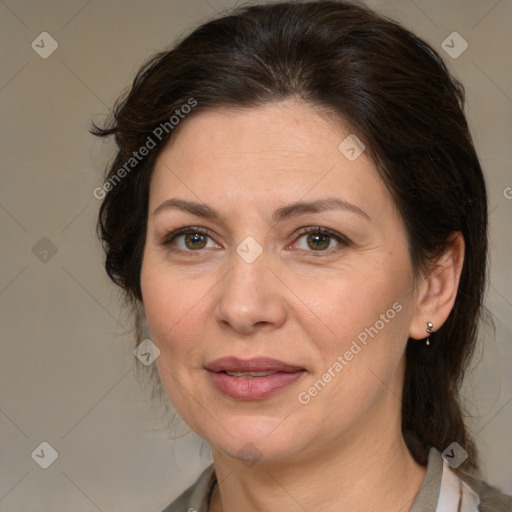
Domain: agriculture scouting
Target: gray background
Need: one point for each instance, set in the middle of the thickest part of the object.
(66, 360)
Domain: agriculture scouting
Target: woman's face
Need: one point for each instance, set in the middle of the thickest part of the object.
(271, 250)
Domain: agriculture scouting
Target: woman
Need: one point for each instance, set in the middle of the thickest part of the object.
(297, 205)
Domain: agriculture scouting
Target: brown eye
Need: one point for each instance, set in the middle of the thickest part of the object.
(195, 240)
(189, 239)
(318, 241)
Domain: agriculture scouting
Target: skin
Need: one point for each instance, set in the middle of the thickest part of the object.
(295, 302)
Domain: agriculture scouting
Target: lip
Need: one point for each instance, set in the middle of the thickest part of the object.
(257, 388)
(255, 364)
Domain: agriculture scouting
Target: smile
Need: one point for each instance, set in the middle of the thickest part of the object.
(252, 379)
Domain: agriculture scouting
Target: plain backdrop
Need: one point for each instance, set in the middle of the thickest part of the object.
(66, 354)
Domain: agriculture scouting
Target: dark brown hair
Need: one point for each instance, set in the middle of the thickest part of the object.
(394, 92)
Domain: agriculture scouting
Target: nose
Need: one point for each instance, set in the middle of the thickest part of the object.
(250, 298)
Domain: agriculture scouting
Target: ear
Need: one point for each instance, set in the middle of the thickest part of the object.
(438, 289)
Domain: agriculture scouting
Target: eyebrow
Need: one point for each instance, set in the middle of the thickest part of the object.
(199, 209)
(283, 213)
(320, 205)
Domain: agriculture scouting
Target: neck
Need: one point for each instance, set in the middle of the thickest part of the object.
(356, 478)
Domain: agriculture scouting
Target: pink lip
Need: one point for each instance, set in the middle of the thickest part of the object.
(255, 364)
(257, 388)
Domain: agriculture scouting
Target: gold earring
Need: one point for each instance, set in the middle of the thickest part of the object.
(430, 330)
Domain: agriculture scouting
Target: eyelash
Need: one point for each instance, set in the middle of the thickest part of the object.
(341, 239)
(169, 238)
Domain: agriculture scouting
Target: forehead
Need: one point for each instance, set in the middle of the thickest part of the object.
(285, 150)
(274, 130)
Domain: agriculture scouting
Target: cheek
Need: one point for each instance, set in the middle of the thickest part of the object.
(365, 317)
(357, 299)
(172, 307)
(169, 303)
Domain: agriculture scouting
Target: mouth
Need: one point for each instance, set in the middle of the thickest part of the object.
(248, 375)
(255, 365)
(252, 379)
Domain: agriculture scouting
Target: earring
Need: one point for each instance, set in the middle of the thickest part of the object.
(430, 330)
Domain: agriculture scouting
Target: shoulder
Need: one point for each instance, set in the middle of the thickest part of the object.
(196, 498)
(491, 498)
(445, 488)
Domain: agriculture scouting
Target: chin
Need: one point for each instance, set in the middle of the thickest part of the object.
(254, 439)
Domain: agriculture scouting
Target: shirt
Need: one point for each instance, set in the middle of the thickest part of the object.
(442, 490)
